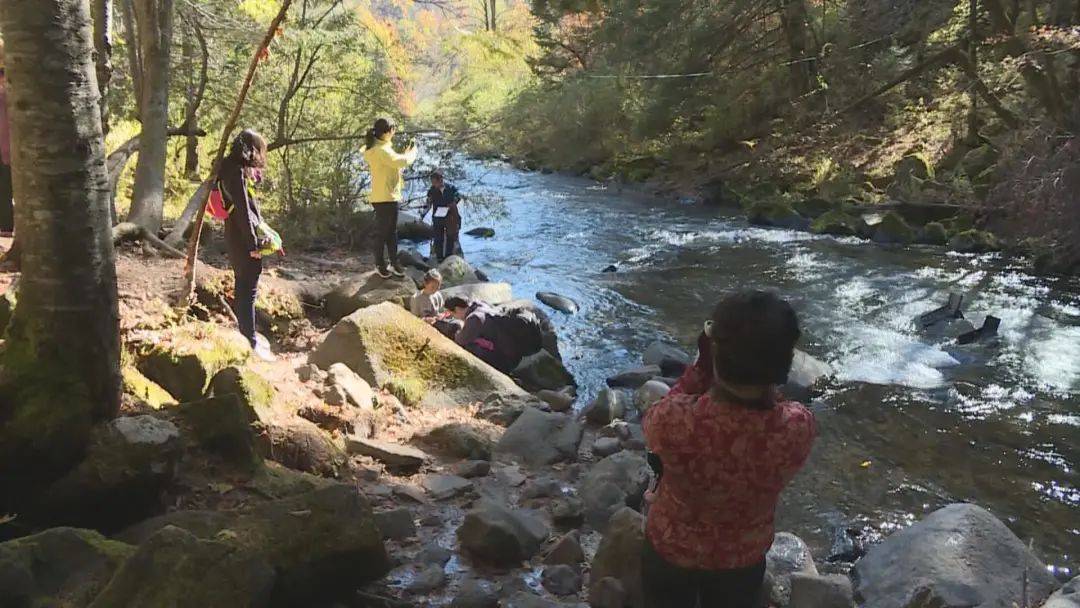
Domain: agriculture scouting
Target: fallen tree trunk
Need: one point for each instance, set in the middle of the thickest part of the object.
(128, 232)
(175, 238)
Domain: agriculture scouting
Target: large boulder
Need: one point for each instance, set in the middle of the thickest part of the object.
(542, 371)
(658, 353)
(821, 591)
(548, 336)
(934, 233)
(504, 410)
(540, 438)
(496, 534)
(252, 390)
(142, 388)
(610, 404)
(893, 229)
(456, 271)
(365, 290)
(973, 241)
(961, 555)
(185, 359)
(787, 557)
(412, 228)
(776, 213)
(806, 378)
(462, 440)
(491, 293)
(320, 545)
(390, 348)
(300, 444)
(615, 482)
(128, 464)
(838, 223)
(1066, 597)
(175, 568)
(634, 378)
(357, 391)
(58, 567)
(223, 425)
(618, 556)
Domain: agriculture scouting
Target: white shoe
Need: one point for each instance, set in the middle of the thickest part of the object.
(262, 348)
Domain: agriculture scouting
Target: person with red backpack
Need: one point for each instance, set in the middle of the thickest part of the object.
(238, 173)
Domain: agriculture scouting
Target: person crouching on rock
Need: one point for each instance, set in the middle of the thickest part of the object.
(501, 340)
(428, 305)
(239, 170)
(728, 444)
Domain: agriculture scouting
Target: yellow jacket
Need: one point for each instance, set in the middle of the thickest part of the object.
(386, 165)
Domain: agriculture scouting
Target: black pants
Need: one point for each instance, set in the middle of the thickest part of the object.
(445, 242)
(246, 271)
(669, 586)
(7, 210)
(386, 217)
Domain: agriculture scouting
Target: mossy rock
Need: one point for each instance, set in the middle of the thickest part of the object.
(184, 362)
(916, 166)
(365, 290)
(8, 299)
(225, 426)
(775, 213)
(893, 229)
(934, 233)
(58, 567)
(389, 347)
(145, 389)
(254, 392)
(977, 162)
(274, 303)
(974, 241)
(958, 223)
(838, 223)
(814, 207)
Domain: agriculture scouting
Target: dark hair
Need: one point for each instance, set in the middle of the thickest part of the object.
(457, 302)
(248, 149)
(754, 335)
(382, 126)
(436, 175)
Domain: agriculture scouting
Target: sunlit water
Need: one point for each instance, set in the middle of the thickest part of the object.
(915, 422)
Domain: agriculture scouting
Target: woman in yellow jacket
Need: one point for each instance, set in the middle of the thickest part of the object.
(386, 166)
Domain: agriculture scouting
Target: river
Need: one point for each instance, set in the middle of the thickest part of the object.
(913, 423)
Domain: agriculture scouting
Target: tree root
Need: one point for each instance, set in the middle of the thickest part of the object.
(128, 232)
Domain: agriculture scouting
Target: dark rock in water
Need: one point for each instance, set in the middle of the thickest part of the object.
(611, 268)
(659, 351)
(787, 556)
(434, 554)
(411, 257)
(934, 233)
(456, 271)
(962, 554)
(540, 371)
(838, 223)
(561, 579)
(396, 524)
(987, 332)
(560, 303)
(476, 594)
(617, 556)
(615, 482)
(485, 233)
(950, 310)
(567, 550)
(893, 229)
(128, 464)
(481, 276)
(548, 336)
(776, 213)
(1066, 597)
(541, 438)
(634, 378)
(498, 535)
(319, 545)
(412, 228)
(848, 545)
(427, 580)
(673, 368)
(58, 567)
(173, 567)
(821, 591)
(610, 404)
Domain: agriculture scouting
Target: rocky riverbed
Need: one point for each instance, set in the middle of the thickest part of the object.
(378, 464)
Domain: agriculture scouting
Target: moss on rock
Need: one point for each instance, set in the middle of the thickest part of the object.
(838, 223)
(188, 357)
(224, 426)
(893, 228)
(974, 241)
(814, 207)
(253, 391)
(145, 389)
(934, 233)
(776, 213)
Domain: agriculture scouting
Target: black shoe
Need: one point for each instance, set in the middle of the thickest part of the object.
(383, 273)
(397, 271)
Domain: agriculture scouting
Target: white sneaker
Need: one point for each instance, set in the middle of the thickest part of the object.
(262, 348)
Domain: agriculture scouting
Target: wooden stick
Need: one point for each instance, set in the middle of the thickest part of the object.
(188, 289)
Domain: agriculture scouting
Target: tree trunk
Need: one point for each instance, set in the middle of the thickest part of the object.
(487, 15)
(62, 358)
(131, 41)
(154, 19)
(196, 89)
(103, 32)
(494, 17)
(793, 21)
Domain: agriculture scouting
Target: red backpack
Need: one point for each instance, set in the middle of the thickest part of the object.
(216, 205)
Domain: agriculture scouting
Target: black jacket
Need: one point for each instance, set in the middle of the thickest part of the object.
(244, 216)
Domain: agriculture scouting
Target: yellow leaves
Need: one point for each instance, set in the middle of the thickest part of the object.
(865, 464)
(260, 10)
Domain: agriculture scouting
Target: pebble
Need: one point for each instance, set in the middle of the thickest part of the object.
(542, 488)
(470, 469)
(443, 487)
(511, 476)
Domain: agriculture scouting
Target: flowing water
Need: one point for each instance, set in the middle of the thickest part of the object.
(914, 422)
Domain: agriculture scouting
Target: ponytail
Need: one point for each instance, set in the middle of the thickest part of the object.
(382, 127)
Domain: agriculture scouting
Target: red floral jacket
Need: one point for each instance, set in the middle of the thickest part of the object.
(724, 467)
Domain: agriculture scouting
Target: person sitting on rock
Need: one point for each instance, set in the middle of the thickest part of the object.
(500, 339)
(728, 443)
